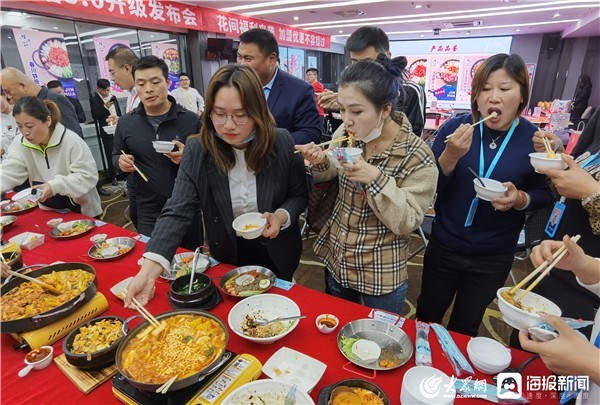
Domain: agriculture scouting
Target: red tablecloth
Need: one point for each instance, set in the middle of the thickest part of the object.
(51, 386)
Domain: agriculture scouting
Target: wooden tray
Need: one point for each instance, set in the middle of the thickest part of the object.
(86, 381)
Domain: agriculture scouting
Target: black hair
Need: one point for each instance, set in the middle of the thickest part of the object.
(263, 39)
(367, 36)
(149, 62)
(122, 55)
(54, 84)
(103, 84)
(38, 109)
(184, 74)
(380, 81)
(313, 70)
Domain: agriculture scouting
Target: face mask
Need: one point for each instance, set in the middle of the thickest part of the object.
(245, 141)
(375, 133)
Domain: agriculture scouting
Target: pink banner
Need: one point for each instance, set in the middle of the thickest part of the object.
(44, 55)
(470, 65)
(443, 77)
(417, 68)
(103, 47)
(169, 53)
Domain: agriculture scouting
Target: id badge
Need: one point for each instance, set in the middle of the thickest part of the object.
(555, 218)
(472, 211)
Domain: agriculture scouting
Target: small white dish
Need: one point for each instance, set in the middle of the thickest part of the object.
(163, 146)
(38, 364)
(493, 189)
(426, 386)
(327, 323)
(54, 222)
(540, 160)
(295, 368)
(488, 355)
(98, 238)
(110, 129)
(119, 289)
(250, 225)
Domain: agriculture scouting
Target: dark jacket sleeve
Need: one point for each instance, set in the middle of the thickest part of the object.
(78, 109)
(67, 112)
(99, 113)
(414, 108)
(297, 190)
(307, 122)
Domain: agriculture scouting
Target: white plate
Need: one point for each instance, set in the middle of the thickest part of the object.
(295, 368)
(270, 391)
(118, 288)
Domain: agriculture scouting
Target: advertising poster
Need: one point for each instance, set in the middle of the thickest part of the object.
(295, 62)
(169, 53)
(443, 80)
(103, 46)
(312, 62)
(45, 57)
(470, 65)
(416, 69)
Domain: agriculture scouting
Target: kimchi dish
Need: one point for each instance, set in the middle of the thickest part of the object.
(29, 299)
(184, 345)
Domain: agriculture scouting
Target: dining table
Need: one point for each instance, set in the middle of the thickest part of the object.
(51, 385)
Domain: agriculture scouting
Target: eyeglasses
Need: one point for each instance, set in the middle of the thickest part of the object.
(112, 72)
(221, 118)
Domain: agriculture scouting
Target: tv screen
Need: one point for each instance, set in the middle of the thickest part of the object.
(219, 49)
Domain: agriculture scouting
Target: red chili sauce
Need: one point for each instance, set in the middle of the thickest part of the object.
(37, 355)
(328, 322)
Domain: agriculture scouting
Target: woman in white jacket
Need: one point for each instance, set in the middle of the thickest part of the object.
(54, 159)
(570, 354)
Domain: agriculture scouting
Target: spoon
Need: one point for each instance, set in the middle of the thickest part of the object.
(476, 175)
(263, 322)
(196, 253)
(518, 369)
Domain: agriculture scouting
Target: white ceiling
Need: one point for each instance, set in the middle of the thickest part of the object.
(403, 20)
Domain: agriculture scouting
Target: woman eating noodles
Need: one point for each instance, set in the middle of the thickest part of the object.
(239, 163)
(472, 245)
(55, 159)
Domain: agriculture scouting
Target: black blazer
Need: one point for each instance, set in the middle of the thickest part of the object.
(100, 113)
(292, 103)
(201, 185)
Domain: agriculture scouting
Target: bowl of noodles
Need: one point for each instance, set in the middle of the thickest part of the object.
(243, 316)
(524, 313)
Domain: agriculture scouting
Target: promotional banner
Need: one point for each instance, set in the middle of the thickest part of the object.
(103, 47)
(416, 69)
(295, 62)
(443, 79)
(45, 57)
(170, 54)
(470, 65)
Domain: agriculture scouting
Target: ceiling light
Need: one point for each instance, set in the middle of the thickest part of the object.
(311, 7)
(422, 35)
(418, 6)
(151, 36)
(54, 28)
(556, 15)
(264, 4)
(296, 18)
(518, 30)
(9, 37)
(341, 31)
(467, 32)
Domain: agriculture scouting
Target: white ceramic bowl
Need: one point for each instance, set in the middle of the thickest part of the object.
(540, 160)
(54, 222)
(273, 392)
(40, 364)
(488, 355)
(354, 153)
(163, 146)
(426, 385)
(250, 219)
(110, 129)
(324, 328)
(23, 196)
(493, 189)
(267, 306)
(520, 318)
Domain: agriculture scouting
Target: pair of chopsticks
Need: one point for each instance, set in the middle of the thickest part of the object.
(144, 312)
(45, 286)
(556, 257)
(548, 147)
(492, 115)
(165, 387)
(340, 139)
(136, 168)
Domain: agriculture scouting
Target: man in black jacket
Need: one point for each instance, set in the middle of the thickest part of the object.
(55, 86)
(104, 105)
(157, 118)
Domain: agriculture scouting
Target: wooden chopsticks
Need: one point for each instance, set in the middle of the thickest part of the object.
(556, 257)
(340, 139)
(136, 168)
(492, 115)
(165, 387)
(45, 286)
(548, 147)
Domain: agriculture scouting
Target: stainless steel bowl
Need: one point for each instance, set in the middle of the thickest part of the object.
(245, 269)
(55, 232)
(395, 345)
(119, 242)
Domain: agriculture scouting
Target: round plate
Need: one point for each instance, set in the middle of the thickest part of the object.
(88, 222)
(395, 345)
(18, 209)
(6, 222)
(243, 270)
(120, 243)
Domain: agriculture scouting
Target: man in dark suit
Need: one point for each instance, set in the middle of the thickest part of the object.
(105, 105)
(55, 86)
(291, 100)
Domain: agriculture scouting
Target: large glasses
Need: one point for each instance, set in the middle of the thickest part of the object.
(112, 72)
(220, 118)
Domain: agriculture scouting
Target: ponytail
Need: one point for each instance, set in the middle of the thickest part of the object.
(38, 109)
(54, 113)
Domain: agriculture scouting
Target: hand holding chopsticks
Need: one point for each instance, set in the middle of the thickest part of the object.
(146, 315)
(556, 257)
(136, 168)
(340, 139)
(548, 147)
(492, 115)
(45, 286)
